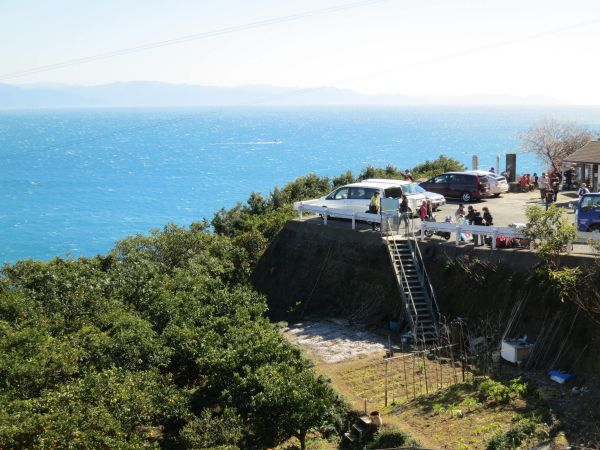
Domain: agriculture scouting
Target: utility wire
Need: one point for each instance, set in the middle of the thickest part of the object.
(187, 38)
(426, 62)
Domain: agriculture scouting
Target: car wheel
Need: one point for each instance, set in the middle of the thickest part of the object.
(496, 195)
(594, 228)
(466, 197)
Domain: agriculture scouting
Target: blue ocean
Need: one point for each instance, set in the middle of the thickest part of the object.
(75, 181)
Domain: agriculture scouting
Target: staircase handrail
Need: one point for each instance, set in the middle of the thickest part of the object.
(421, 263)
(405, 278)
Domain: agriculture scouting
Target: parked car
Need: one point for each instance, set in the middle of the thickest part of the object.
(498, 183)
(357, 196)
(410, 189)
(463, 185)
(588, 212)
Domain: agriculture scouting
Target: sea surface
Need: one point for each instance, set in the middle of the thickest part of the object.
(72, 182)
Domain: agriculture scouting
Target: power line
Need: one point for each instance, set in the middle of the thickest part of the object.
(187, 38)
(297, 91)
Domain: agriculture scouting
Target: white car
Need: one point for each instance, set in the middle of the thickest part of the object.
(414, 191)
(357, 196)
(498, 183)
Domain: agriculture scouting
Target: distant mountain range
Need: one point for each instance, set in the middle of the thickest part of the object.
(148, 93)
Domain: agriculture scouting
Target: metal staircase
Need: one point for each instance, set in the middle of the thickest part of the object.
(420, 306)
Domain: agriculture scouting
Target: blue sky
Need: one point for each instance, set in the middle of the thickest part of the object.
(408, 43)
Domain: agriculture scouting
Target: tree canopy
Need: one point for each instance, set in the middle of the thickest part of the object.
(553, 141)
(162, 342)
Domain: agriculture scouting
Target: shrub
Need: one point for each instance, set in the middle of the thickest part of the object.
(391, 439)
(523, 431)
(470, 403)
(494, 390)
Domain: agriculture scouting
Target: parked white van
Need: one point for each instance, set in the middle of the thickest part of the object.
(357, 196)
(409, 189)
(498, 183)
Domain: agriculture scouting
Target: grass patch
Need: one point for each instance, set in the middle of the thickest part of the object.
(481, 413)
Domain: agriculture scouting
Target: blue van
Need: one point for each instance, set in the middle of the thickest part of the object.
(588, 212)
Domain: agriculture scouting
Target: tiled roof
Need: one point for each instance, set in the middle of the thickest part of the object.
(589, 153)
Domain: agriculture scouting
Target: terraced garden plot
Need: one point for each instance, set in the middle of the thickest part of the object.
(408, 376)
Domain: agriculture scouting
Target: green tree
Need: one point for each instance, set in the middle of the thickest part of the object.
(549, 230)
(292, 402)
(442, 164)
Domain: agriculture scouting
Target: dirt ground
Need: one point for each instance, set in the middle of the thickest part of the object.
(335, 340)
(353, 358)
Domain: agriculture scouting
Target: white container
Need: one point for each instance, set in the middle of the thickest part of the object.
(514, 352)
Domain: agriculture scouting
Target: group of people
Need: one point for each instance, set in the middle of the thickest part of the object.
(529, 182)
(403, 208)
(549, 185)
(474, 217)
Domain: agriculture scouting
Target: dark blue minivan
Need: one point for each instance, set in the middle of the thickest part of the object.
(588, 212)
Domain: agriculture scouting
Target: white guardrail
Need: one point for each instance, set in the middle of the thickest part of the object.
(457, 229)
(339, 213)
(480, 230)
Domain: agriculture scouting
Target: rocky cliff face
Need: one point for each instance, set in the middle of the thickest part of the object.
(312, 269)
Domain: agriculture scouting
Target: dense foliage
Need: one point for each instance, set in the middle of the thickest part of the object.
(160, 343)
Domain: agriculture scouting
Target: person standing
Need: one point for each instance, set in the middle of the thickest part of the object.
(544, 184)
(407, 176)
(423, 211)
(460, 212)
(487, 217)
(583, 190)
(403, 209)
(477, 220)
(470, 215)
(374, 206)
(555, 187)
(535, 180)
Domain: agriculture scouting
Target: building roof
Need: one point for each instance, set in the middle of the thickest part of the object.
(589, 153)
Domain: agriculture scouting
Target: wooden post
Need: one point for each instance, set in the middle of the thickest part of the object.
(422, 231)
(405, 377)
(413, 374)
(365, 406)
(494, 237)
(457, 235)
(386, 383)
(325, 216)
(425, 372)
(354, 220)
(300, 211)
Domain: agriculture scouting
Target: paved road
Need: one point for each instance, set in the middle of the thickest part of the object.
(509, 208)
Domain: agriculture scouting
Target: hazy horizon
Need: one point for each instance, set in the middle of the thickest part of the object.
(372, 47)
(150, 93)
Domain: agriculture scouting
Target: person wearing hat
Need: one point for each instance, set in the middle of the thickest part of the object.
(407, 176)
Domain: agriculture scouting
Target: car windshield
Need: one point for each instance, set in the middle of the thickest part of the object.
(418, 189)
(590, 202)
